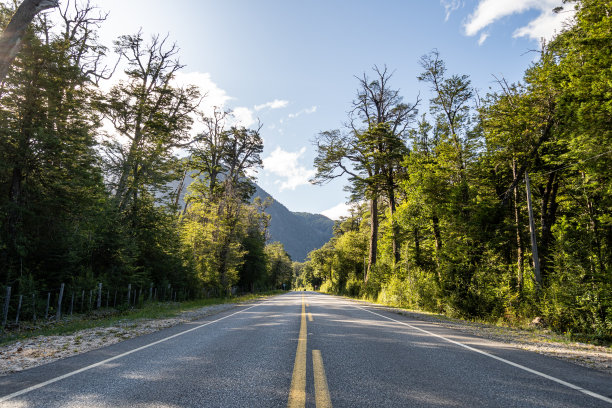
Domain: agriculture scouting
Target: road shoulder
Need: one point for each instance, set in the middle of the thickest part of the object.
(537, 340)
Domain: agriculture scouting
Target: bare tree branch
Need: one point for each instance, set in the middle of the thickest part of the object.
(10, 42)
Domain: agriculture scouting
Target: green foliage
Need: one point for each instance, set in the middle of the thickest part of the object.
(79, 206)
(461, 216)
(280, 267)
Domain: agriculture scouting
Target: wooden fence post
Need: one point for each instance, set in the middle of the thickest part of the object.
(47, 308)
(99, 303)
(129, 293)
(6, 306)
(58, 315)
(34, 307)
(72, 303)
(18, 309)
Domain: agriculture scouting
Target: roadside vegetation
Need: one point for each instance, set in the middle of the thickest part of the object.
(111, 317)
(93, 179)
(440, 219)
(93, 183)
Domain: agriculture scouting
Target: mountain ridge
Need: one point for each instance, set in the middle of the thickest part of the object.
(299, 232)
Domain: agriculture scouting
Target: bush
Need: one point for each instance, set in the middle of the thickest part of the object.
(354, 287)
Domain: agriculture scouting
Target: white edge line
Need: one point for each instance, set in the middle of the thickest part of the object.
(118, 356)
(503, 360)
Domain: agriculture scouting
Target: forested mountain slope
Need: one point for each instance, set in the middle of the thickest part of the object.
(299, 232)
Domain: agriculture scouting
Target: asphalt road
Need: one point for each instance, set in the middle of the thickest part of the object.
(307, 349)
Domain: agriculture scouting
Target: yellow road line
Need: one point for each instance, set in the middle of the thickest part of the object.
(322, 398)
(309, 317)
(297, 392)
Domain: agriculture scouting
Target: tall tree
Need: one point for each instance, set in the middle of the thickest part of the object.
(377, 104)
(369, 149)
(50, 173)
(150, 113)
(225, 162)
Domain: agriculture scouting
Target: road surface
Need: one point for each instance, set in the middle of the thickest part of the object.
(305, 349)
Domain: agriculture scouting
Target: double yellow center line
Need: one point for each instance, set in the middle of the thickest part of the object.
(297, 392)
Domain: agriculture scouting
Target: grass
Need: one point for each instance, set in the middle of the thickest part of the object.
(111, 317)
(538, 334)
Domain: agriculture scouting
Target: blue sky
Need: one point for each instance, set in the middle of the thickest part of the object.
(291, 64)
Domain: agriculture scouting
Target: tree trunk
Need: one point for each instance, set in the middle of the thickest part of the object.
(417, 247)
(437, 236)
(394, 226)
(548, 216)
(10, 41)
(179, 190)
(373, 236)
(436, 229)
(520, 256)
(595, 230)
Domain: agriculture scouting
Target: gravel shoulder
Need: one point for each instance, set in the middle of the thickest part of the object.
(35, 351)
(538, 340)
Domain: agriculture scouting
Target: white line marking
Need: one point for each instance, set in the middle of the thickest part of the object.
(118, 356)
(503, 360)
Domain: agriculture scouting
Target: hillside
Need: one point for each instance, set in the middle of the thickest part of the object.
(299, 232)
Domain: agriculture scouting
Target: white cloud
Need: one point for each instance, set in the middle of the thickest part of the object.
(337, 211)
(215, 96)
(545, 25)
(450, 6)
(243, 116)
(275, 104)
(482, 38)
(285, 165)
(306, 111)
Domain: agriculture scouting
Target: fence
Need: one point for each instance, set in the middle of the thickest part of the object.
(64, 302)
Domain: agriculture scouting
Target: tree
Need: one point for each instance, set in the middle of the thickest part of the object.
(225, 162)
(151, 114)
(280, 267)
(49, 172)
(450, 106)
(254, 270)
(369, 150)
(208, 153)
(377, 104)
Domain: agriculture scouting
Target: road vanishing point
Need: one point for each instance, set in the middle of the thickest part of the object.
(305, 349)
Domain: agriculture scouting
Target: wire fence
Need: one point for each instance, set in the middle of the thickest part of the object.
(34, 307)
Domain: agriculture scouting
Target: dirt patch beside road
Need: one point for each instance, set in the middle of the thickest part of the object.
(35, 351)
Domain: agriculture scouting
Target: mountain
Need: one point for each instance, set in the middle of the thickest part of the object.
(299, 232)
